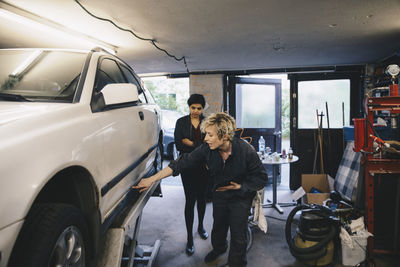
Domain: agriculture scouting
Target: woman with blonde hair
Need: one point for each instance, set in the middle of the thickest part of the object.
(237, 174)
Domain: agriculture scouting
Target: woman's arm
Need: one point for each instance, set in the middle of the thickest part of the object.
(187, 142)
(185, 161)
(178, 135)
(145, 183)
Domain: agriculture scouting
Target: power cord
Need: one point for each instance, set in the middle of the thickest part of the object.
(152, 41)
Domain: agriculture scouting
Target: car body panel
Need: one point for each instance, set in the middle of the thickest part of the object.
(40, 139)
(8, 235)
(27, 166)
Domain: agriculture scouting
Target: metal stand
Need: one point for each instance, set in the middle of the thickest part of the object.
(275, 203)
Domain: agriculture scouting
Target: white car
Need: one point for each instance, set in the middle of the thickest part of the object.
(77, 130)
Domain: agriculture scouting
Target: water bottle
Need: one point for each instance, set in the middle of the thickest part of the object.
(261, 145)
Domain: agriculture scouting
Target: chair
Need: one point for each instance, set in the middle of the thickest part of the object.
(239, 133)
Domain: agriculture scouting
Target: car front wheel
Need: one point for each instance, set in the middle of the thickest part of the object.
(52, 235)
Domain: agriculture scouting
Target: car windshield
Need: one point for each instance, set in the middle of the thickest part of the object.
(38, 75)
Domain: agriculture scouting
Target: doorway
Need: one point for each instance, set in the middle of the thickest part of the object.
(336, 98)
(256, 105)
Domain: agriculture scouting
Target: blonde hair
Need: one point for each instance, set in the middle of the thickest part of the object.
(224, 124)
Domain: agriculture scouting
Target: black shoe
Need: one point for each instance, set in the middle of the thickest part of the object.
(189, 249)
(212, 255)
(203, 233)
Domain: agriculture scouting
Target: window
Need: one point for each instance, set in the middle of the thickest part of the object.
(312, 96)
(255, 106)
(131, 79)
(41, 75)
(171, 94)
(108, 72)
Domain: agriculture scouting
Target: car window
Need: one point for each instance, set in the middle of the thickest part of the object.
(131, 78)
(108, 73)
(40, 75)
(148, 94)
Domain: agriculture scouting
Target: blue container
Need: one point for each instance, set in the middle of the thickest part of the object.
(348, 133)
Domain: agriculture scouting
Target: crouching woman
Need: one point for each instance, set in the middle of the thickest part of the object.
(237, 174)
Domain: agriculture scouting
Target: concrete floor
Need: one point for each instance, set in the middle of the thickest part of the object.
(163, 219)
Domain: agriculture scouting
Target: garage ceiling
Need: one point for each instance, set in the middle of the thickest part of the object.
(220, 35)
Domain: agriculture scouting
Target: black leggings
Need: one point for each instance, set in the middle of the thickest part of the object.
(194, 184)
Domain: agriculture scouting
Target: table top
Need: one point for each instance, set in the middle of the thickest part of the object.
(272, 161)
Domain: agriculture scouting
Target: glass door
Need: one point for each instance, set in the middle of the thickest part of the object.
(256, 105)
(328, 101)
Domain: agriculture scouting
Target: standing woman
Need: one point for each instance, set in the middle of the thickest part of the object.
(188, 136)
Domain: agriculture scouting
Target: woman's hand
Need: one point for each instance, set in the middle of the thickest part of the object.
(144, 184)
(187, 142)
(232, 186)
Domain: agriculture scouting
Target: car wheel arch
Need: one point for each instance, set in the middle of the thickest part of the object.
(71, 186)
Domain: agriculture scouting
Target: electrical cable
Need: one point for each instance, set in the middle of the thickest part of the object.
(152, 41)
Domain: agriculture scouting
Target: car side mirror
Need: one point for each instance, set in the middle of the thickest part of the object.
(118, 93)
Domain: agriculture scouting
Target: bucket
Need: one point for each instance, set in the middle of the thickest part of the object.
(324, 260)
(355, 255)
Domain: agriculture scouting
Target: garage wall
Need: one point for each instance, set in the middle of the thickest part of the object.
(211, 87)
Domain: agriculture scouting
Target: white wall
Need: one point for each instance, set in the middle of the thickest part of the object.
(211, 87)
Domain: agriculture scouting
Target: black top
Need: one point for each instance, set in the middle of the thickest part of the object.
(243, 166)
(185, 129)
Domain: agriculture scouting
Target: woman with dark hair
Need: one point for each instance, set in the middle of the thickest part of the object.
(188, 136)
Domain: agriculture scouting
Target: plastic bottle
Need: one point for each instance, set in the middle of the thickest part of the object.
(290, 153)
(261, 145)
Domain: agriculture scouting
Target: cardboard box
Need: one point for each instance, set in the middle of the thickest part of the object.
(319, 182)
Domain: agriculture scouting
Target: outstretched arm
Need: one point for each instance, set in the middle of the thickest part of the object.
(145, 183)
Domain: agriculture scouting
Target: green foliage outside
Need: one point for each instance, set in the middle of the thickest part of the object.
(169, 94)
(285, 112)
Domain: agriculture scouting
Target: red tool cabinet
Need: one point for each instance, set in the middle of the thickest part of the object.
(375, 165)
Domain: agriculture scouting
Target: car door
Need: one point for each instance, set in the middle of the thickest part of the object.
(122, 128)
(150, 124)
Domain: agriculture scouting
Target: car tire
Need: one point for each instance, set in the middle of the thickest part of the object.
(52, 235)
(159, 159)
(175, 153)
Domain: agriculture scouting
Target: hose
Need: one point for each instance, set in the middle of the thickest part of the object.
(309, 253)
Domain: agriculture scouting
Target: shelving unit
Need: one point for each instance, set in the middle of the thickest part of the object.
(378, 166)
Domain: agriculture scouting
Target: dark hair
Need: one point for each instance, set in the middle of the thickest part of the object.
(196, 99)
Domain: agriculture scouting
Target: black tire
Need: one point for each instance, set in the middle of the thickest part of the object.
(159, 159)
(172, 152)
(52, 234)
(175, 153)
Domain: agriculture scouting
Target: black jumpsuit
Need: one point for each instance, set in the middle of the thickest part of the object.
(230, 208)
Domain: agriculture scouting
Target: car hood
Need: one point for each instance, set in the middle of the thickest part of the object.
(14, 111)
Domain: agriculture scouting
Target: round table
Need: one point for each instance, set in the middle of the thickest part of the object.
(275, 164)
